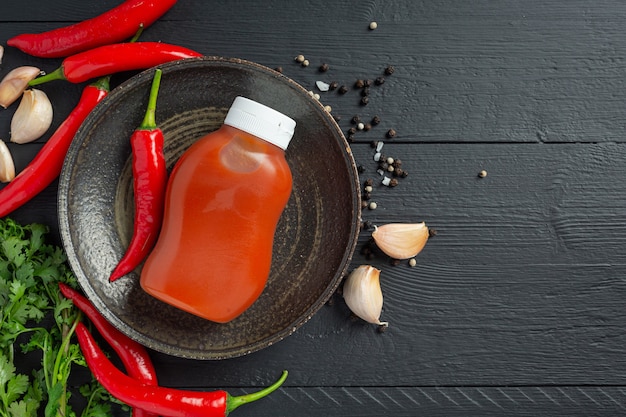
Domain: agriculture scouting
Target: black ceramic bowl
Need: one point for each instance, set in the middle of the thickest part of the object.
(314, 241)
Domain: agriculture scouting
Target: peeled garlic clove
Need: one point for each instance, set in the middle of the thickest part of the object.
(401, 240)
(15, 82)
(32, 118)
(363, 294)
(7, 167)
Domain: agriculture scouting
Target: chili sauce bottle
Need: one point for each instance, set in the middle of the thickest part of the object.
(223, 201)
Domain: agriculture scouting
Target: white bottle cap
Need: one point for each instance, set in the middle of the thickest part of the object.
(261, 121)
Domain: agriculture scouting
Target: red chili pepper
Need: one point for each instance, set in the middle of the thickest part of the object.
(118, 57)
(149, 183)
(47, 164)
(160, 400)
(133, 355)
(112, 26)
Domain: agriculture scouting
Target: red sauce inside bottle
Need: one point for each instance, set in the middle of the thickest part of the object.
(223, 202)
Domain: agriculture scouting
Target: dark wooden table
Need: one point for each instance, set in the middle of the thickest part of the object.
(516, 307)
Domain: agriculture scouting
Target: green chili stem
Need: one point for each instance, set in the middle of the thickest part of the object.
(57, 74)
(103, 83)
(234, 402)
(149, 120)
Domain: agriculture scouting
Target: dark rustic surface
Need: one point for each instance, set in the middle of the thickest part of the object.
(516, 307)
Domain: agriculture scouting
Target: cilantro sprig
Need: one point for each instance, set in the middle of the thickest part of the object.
(34, 316)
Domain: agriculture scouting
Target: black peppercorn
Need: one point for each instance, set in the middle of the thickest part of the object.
(365, 101)
(360, 169)
(365, 91)
(380, 81)
(367, 83)
(364, 204)
(398, 172)
(333, 85)
(397, 162)
(390, 70)
(393, 182)
(391, 133)
(404, 174)
(359, 83)
(355, 119)
(337, 117)
(278, 69)
(366, 195)
(368, 182)
(375, 120)
(352, 131)
(432, 232)
(323, 68)
(343, 89)
(350, 137)
(367, 127)
(383, 165)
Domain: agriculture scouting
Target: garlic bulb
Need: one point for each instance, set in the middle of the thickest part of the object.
(363, 294)
(401, 240)
(32, 118)
(7, 167)
(15, 82)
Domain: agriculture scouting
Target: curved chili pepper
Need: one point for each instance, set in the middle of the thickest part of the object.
(160, 400)
(47, 164)
(117, 57)
(149, 182)
(112, 26)
(133, 355)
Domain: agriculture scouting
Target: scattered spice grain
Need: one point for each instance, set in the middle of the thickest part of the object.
(324, 67)
(412, 262)
(390, 70)
(373, 26)
(364, 101)
(391, 133)
(359, 83)
(343, 89)
(482, 174)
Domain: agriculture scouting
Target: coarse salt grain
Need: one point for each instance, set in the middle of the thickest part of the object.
(322, 86)
(379, 146)
(377, 156)
(386, 181)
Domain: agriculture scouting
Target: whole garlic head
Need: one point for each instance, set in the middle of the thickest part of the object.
(401, 240)
(32, 118)
(363, 294)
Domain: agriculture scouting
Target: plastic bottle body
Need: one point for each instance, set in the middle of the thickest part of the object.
(223, 202)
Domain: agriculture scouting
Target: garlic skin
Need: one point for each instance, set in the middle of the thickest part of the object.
(401, 240)
(32, 118)
(7, 167)
(363, 294)
(15, 82)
